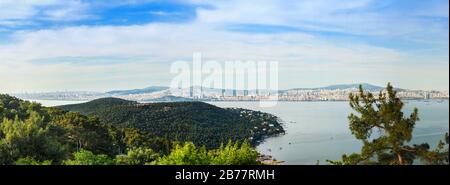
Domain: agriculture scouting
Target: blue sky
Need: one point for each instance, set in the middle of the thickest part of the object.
(102, 45)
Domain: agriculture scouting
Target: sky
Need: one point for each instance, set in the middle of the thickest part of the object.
(87, 45)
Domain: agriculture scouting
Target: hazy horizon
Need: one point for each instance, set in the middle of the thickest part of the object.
(151, 86)
(84, 45)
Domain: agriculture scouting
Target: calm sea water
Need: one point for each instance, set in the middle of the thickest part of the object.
(317, 131)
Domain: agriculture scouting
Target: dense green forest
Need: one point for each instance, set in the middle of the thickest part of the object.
(31, 134)
(183, 121)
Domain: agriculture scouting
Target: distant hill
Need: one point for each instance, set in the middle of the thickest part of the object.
(366, 86)
(138, 91)
(94, 106)
(170, 99)
(202, 123)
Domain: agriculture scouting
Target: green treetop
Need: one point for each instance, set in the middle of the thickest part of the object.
(389, 146)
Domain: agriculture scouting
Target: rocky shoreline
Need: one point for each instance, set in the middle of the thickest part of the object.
(268, 160)
(264, 125)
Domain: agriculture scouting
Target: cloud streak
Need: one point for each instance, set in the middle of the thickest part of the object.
(316, 42)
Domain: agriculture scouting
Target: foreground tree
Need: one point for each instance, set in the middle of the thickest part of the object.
(85, 157)
(31, 161)
(187, 154)
(231, 154)
(389, 146)
(438, 156)
(29, 138)
(137, 156)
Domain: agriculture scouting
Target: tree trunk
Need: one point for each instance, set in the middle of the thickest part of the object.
(400, 159)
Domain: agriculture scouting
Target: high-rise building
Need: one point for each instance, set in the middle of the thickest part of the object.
(201, 92)
(223, 92)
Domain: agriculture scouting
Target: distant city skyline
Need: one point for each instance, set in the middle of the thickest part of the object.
(367, 86)
(84, 45)
(329, 93)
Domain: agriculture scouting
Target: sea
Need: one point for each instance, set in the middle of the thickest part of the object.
(319, 131)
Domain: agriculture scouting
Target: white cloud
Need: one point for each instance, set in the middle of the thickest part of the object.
(55, 10)
(309, 58)
(174, 41)
(164, 43)
(69, 11)
(358, 17)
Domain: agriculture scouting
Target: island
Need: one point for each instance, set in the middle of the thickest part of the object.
(202, 123)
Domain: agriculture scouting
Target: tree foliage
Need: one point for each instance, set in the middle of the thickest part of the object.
(34, 135)
(231, 154)
(85, 157)
(196, 122)
(187, 154)
(137, 156)
(29, 138)
(31, 161)
(438, 156)
(29, 130)
(386, 132)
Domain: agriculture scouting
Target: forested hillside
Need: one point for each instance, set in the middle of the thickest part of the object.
(31, 134)
(29, 130)
(201, 123)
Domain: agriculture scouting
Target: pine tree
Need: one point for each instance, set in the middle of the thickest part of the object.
(389, 145)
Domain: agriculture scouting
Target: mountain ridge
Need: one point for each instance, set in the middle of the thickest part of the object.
(150, 89)
(366, 86)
